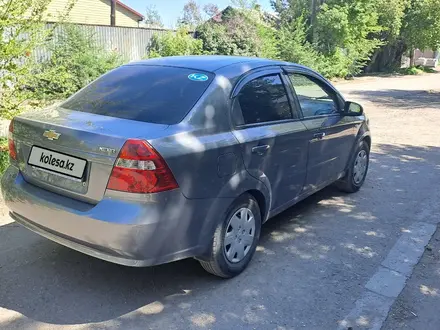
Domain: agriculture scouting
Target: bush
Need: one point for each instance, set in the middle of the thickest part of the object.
(268, 47)
(216, 40)
(234, 33)
(15, 49)
(172, 44)
(4, 155)
(22, 29)
(426, 69)
(76, 60)
(416, 70)
(294, 47)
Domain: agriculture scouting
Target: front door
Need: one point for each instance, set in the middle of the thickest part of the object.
(274, 141)
(332, 134)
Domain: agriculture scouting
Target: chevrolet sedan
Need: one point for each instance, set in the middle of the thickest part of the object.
(182, 157)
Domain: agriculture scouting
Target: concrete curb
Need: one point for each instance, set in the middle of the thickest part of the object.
(383, 288)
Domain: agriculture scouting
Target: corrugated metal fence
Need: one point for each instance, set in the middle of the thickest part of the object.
(131, 43)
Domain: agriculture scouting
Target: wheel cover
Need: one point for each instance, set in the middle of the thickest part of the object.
(239, 235)
(360, 166)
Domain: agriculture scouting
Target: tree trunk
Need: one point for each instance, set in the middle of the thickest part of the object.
(411, 57)
(387, 58)
(313, 18)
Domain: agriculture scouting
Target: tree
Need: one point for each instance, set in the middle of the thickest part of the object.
(211, 9)
(289, 10)
(172, 44)
(421, 26)
(339, 35)
(351, 26)
(234, 33)
(293, 44)
(192, 15)
(390, 16)
(407, 25)
(18, 36)
(21, 30)
(269, 40)
(76, 60)
(244, 4)
(153, 18)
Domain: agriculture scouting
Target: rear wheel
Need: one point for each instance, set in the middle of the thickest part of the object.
(357, 171)
(235, 239)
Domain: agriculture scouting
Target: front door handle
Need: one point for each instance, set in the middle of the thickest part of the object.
(260, 150)
(319, 136)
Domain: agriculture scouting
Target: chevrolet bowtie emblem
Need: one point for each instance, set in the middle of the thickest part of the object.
(51, 135)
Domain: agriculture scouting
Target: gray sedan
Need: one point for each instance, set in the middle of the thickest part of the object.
(182, 157)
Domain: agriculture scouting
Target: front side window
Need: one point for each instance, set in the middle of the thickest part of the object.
(313, 99)
(264, 99)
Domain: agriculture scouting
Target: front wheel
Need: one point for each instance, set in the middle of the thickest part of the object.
(235, 239)
(357, 170)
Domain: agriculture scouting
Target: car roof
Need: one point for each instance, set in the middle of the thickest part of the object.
(210, 63)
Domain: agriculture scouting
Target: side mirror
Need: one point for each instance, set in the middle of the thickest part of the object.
(353, 109)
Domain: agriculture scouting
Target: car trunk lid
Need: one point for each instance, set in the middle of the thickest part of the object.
(73, 153)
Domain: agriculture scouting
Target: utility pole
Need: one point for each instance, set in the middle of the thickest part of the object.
(112, 12)
(313, 17)
(313, 11)
(314, 6)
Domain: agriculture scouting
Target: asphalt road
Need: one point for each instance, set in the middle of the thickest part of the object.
(310, 270)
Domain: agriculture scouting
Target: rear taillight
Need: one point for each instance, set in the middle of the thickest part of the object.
(140, 169)
(11, 144)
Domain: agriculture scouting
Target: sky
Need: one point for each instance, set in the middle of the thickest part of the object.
(171, 10)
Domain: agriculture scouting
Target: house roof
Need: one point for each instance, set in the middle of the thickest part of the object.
(131, 10)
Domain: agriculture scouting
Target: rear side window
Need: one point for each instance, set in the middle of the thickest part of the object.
(154, 94)
(264, 100)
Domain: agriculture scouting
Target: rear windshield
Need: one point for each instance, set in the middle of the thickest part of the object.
(154, 94)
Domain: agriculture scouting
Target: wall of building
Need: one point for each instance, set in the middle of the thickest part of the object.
(96, 12)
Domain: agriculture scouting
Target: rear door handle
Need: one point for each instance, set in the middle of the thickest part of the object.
(260, 150)
(319, 136)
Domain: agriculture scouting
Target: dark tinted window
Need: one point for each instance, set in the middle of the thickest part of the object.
(264, 99)
(314, 100)
(152, 94)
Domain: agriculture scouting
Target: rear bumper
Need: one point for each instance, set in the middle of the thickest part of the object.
(159, 228)
(81, 247)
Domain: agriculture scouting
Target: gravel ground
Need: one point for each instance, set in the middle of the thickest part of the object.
(311, 267)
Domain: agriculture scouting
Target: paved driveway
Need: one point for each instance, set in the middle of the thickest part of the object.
(311, 268)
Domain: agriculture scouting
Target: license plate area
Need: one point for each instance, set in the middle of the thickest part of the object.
(57, 162)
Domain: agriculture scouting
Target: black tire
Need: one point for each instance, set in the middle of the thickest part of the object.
(348, 183)
(218, 263)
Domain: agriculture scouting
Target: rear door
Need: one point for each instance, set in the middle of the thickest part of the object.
(273, 139)
(332, 134)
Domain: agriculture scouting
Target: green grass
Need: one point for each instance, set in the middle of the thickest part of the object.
(4, 155)
(416, 70)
